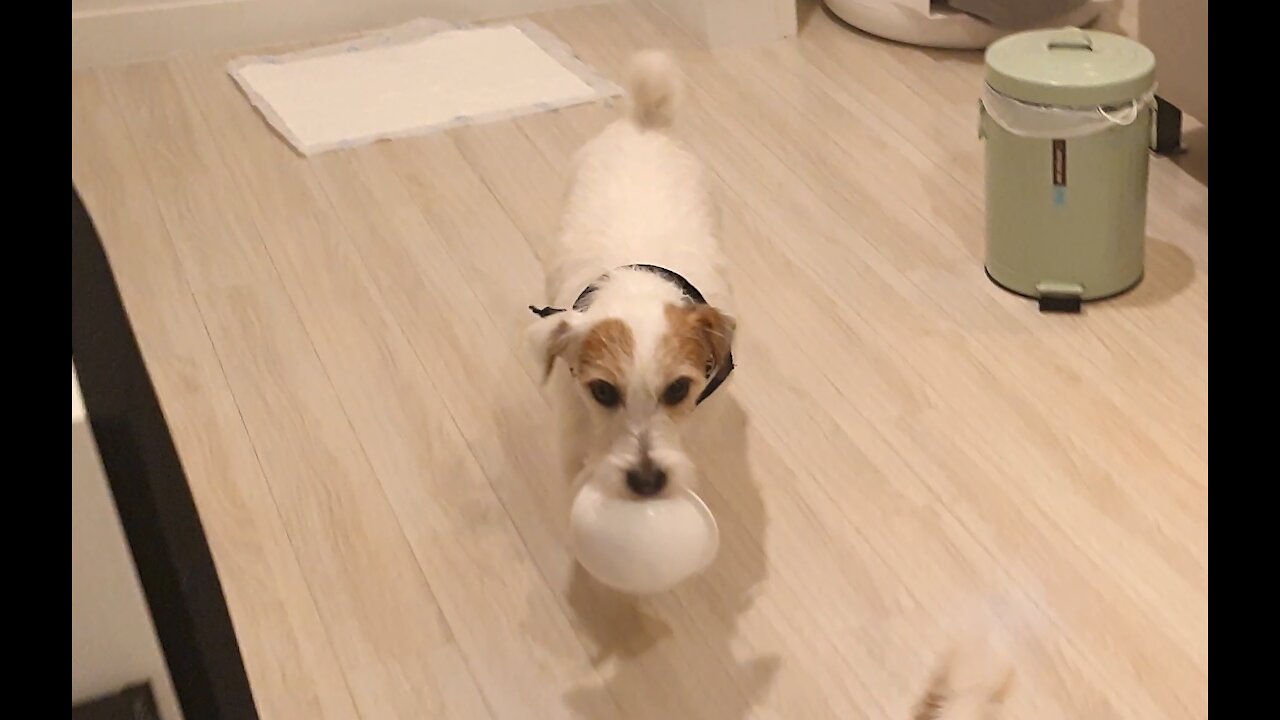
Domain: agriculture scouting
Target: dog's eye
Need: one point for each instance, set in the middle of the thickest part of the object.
(604, 393)
(676, 392)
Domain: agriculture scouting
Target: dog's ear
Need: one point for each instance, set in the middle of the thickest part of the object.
(549, 338)
(716, 329)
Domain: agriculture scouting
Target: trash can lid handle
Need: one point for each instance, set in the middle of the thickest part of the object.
(1070, 39)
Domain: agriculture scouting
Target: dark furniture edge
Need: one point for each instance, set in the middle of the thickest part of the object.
(151, 493)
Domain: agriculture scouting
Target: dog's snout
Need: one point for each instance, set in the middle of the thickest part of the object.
(647, 479)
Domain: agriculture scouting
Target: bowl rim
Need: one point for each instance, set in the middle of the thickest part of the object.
(710, 552)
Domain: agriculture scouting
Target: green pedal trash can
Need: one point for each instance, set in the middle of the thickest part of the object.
(1067, 117)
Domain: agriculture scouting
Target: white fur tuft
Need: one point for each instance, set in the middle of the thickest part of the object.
(653, 86)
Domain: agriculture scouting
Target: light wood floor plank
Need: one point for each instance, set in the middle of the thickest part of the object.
(396, 651)
(291, 664)
(905, 450)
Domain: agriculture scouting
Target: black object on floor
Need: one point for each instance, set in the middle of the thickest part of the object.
(132, 703)
(150, 489)
(1168, 128)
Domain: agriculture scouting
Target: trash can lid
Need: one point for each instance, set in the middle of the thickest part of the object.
(1070, 67)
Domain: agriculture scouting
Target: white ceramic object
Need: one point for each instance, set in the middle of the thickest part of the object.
(643, 547)
(940, 27)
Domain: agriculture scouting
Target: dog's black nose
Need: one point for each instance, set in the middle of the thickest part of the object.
(646, 480)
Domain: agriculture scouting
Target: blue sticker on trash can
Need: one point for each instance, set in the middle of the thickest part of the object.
(1059, 172)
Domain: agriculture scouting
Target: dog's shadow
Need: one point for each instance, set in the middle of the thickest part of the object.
(673, 655)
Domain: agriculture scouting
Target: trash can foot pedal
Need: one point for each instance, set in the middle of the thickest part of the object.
(1059, 304)
(1059, 297)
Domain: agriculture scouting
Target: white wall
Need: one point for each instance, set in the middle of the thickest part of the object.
(734, 23)
(123, 31)
(113, 643)
(89, 7)
(1177, 31)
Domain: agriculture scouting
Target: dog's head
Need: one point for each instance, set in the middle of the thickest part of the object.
(638, 358)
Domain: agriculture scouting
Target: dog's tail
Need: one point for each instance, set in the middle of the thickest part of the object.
(653, 88)
(971, 683)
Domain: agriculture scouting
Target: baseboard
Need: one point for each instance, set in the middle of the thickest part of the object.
(733, 23)
(139, 33)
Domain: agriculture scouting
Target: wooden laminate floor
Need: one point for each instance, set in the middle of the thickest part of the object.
(908, 450)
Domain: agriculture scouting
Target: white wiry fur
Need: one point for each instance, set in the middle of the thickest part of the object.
(637, 196)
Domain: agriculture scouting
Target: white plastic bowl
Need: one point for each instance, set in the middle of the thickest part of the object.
(919, 22)
(643, 547)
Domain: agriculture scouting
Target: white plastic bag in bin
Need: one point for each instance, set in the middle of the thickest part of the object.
(1059, 123)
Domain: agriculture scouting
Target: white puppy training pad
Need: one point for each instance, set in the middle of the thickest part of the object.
(421, 77)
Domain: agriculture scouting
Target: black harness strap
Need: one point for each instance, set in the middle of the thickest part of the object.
(716, 375)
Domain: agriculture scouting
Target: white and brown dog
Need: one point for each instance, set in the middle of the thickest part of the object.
(641, 316)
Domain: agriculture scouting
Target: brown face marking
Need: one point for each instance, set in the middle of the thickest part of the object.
(698, 336)
(606, 352)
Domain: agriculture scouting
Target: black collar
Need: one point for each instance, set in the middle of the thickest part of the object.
(715, 375)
